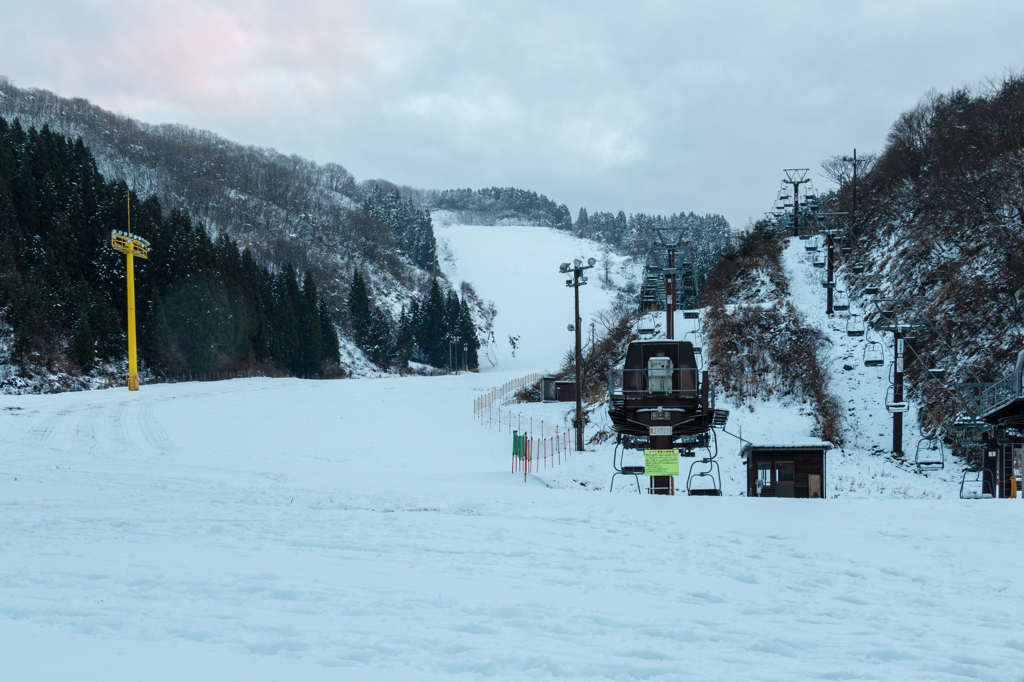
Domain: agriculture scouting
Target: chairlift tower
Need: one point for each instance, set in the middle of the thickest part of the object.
(796, 177)
(893, 313)
(671, 239)
(577, 269)
(130, 245)
(830, 243)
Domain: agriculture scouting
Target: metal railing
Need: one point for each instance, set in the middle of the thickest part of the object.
(680, 382)
(1001, 393)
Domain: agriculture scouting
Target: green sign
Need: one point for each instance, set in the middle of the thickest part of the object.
(661, 462)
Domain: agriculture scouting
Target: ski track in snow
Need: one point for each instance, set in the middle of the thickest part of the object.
(266, 529)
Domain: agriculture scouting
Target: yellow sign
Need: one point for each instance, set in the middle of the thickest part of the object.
(661, 462)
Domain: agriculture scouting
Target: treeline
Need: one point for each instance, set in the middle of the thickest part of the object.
(437, 330)
(497, 205)
(410, 227)
(940, 217)
(201, 304)
(709, 236)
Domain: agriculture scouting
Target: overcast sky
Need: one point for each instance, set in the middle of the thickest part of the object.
(640, 106)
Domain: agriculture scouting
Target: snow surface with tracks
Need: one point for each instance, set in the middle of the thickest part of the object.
(368, 529)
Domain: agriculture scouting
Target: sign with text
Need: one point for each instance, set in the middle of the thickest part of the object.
(661, 430)
(661, 462)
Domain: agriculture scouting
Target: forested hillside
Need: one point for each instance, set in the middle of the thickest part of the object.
(283, 209)
(202, 305)
(940, 217)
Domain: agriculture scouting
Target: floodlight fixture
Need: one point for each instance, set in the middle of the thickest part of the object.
(591, 262)
(577, 262)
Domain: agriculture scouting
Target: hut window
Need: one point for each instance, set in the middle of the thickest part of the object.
(764, 473)
(785, 472)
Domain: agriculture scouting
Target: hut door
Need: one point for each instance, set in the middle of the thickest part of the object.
(784, 479)
(814, 485)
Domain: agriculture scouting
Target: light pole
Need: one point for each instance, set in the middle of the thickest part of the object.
(465, 356)
(577, 268)
(130, 245)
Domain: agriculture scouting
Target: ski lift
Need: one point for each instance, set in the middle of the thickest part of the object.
(874, 354)
(930, 455)
(980, 486)
(846, 250)
(855, 325)
(892, 405)
(938, 373)
(647, 327)
(841, 301)
(858, 268)
(697, 341)
(826, 282)
(625, 469)
(870, 289)
(712, 473)
(812, 244)
(804, 237)
(819, 259)
(691, 314)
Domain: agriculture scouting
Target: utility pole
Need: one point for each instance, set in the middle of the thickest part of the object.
(577, 269)
(853, 160)
(796, 177)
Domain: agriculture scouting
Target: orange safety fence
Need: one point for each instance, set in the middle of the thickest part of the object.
(536, 444)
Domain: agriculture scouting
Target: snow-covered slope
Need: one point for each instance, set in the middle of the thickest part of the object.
(517, 266)
(368, 529)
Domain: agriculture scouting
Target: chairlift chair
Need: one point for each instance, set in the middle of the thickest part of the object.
(930, 455)
(938, 373)
(825, 281)
(691, 314)
(981, 485)
(874, 354)
(713, 473)
(841, 301)
(819, 260)
(855, 325)
(892, 405)
(846, 250)
(697, 341)
(871, 289)
(858, 268)
(626, 470)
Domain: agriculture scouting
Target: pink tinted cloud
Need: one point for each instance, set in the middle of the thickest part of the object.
(202, 56)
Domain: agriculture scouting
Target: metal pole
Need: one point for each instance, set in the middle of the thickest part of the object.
(897, 393)
(670, 292)
(855, 189)
(133, 366)
(579, 364)
(796, 209)
(829, 274)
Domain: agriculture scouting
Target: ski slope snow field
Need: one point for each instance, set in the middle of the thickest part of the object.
(368, 529)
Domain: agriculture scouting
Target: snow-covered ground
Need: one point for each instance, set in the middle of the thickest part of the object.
(368, 529)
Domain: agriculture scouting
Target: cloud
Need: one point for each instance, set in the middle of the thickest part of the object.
(650, 106)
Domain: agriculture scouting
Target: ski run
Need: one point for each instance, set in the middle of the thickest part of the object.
(373, 529)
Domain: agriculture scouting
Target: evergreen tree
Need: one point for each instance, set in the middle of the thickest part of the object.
(359, 311)
(329, 349)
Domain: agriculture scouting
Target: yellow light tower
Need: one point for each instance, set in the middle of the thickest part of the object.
(130, 245)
